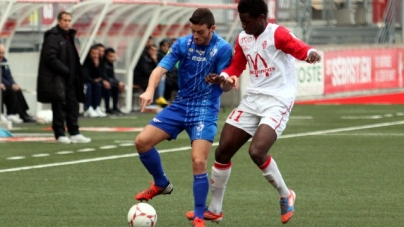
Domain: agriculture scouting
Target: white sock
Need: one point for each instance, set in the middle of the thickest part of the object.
(219, 177)
(271, 172)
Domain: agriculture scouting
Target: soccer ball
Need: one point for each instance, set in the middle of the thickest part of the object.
(142, 215)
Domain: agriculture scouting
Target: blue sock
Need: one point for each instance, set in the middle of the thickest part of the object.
(201, 189)
(151, 160)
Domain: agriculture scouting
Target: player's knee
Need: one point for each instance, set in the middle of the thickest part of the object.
(199, 165)
(222, 157)
(141, 144)
(257, 154)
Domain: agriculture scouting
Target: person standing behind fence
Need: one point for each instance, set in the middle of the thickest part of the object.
(60, 80)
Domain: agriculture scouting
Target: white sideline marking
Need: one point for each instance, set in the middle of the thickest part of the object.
(64, 152)
(188, 147)
(108, 147)
(16, 158)
(364, 134)
(40, 155)
(86, 150)
(342, 129)
(361, 117)
(126, 144)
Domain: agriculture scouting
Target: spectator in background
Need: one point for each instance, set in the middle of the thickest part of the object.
(101, 50)
(147, 62)
(159, 96)
(60, 81)
(12, 95)
(116, 85)
(94, 82)
(149, 42)
(171, 83)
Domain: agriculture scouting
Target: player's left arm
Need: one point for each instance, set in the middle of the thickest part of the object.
(290, 44)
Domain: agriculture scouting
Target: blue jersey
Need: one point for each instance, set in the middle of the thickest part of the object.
(196, 106)
(195, 63)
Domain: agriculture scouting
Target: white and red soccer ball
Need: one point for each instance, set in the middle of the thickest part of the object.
(142, 215)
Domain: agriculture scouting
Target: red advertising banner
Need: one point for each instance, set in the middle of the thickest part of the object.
(8, 28)
(356, 70)
(48, 14)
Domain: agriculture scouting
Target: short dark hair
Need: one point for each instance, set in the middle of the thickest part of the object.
(60, 15)
(203, 16)
(109, 50)
(255, 8)
(99, 45)
(164, 41)
(149, 47)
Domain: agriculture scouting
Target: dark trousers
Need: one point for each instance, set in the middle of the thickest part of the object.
(170, 87)
(15, 102)
(111, 93)
(66, 111)
(93, 93)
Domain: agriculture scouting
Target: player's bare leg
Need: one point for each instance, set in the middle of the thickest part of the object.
(231, 140)
(200, 152)
(262, 141)
(145, 142)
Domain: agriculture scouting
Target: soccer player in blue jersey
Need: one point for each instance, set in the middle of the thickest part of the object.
(195, 109)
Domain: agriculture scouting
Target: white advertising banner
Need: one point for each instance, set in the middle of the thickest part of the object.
(310, 78)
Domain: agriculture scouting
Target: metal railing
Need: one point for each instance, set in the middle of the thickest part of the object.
(303, 27)
(386, 33)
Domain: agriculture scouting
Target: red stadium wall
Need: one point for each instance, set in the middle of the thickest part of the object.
(373, 71)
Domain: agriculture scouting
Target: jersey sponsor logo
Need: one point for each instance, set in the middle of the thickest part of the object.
(200, 52)
(264, 44)
(190, 50)
(253, 63)
(196, 58)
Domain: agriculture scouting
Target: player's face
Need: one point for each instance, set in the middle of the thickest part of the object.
(202, 34)
(252, 26)
(64, 23)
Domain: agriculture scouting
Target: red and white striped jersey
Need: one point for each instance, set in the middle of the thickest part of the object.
(271, 60)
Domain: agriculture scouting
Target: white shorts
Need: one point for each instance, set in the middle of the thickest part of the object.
(257, 109)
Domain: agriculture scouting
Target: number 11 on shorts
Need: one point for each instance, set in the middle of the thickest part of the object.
(238, 115)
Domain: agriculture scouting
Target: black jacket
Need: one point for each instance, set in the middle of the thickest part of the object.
(143, 69)
(110, 73)
(59, 64)
(91, 72)
(6, 78)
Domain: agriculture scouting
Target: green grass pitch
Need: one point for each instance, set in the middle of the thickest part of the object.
(345, 164)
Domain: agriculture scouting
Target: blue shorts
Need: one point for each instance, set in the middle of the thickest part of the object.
(174, 119)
